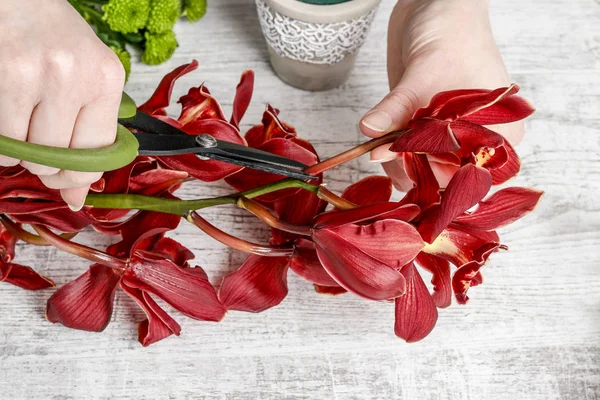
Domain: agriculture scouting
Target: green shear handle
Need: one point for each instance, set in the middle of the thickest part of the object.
(122, 152)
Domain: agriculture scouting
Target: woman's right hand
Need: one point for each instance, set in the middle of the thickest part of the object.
(59, 86)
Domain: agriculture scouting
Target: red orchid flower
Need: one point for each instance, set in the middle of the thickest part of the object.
(156, 267)
(18, 275)
(261, 282)
(465, 239)
(201, 113)
(26, 200)
(452, 124)
(276, 137)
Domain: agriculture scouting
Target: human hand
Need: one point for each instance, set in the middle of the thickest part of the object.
(434, 46)
(59, 86)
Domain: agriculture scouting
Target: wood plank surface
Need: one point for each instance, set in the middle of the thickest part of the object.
(532, 331)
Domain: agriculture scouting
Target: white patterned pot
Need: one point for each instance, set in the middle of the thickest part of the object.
(314, 47)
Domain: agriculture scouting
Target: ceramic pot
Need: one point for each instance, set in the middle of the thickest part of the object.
(312, 46)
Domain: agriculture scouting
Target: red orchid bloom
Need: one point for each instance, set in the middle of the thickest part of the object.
(456, 236)
(261, 282)
(276, 137)
(26, 200)
(156, 266)
(201, 113)
(450, 129)
(18, 275)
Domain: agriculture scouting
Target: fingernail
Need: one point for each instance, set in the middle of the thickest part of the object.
(384, 159)
(379, 121)
(76, 208)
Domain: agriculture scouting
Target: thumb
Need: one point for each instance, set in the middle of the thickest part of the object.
(394, 111)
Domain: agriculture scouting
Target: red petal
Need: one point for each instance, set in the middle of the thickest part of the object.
(171, 250)
(206, 170)
(154, 181)
(464, 107)
(464, 277)
(143, 225)
(501, 209)
(61, 219)
(426, 190)
(162, 95)
(270, 128)
(439, 100)
(370, 190)
(23, 277)
(508, 109)
(199, 105)
(87, 302)
(189, 293)
(404, 212)
(299, 209)
(7, 245)
(416, 314)
(440, 271)
(243, 95)
(249, 179)
(459, 246)
(330, 290)
(259, 284)
(472, 137)
(510, 169)
(466, 188)
(306, 264)
(158, 325)
(393, 242)
(355, 270)
(426, 136)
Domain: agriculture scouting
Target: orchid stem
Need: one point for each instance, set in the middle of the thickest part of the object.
(28, 237)
(183, 207)
(334, 199)
(237, 243)
(265, 215)
(353, 153)
(80, 250)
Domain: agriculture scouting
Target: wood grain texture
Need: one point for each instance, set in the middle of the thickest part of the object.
(532, 331)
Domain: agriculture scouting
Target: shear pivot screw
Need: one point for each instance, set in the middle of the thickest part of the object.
(206, 141)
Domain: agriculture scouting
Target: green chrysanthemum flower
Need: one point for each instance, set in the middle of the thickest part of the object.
(126, 16)
(125, 59)
(159, 48)
(194, 9)
(163, 15)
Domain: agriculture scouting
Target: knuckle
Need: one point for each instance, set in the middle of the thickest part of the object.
(81, 179)
(8, 162)
(111, 71)
(39, 170)
(61, 64)
(51, 182)
(405, 98)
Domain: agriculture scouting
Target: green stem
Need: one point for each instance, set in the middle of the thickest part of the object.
(182, 207)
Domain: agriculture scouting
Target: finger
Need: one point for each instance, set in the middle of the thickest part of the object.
(383, 154)
(15, 114)
(395, 170)
(397, 108)
(51, 124)
(75, 197)
(96, 126)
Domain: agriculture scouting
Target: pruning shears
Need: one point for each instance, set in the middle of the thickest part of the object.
(151, 137)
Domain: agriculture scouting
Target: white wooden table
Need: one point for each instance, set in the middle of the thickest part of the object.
(530, 332)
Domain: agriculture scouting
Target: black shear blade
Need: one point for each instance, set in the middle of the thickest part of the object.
(170, 145)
